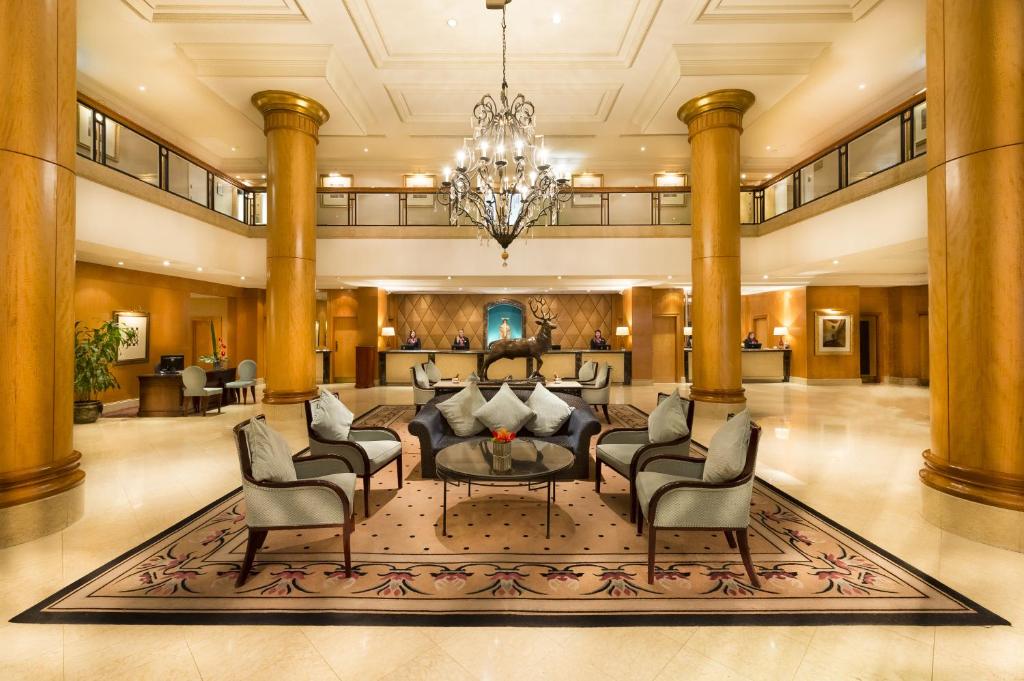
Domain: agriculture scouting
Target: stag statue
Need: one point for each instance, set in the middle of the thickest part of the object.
(535, 346)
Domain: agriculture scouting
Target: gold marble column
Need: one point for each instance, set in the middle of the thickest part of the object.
(715, 123)
(291, 123)
(975, 58)
(40, 478)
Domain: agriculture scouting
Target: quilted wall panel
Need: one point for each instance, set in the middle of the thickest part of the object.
(437, 318)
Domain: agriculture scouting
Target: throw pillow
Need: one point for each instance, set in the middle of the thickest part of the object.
(433, 373)
(588, 372)
(550, 411)
(728, 449)
(422, 380)
(458, 410)
(331, 419)
(504, 410)
(668, 420)
(269, 453)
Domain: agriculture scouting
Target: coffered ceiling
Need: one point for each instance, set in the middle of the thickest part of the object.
(399, 81)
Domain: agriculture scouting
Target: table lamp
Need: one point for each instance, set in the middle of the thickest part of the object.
(622, 332)
(781, 332)
(388, 332)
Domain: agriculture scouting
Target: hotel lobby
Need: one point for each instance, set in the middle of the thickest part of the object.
(492, 339)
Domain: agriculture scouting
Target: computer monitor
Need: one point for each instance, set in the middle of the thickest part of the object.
(171, 363)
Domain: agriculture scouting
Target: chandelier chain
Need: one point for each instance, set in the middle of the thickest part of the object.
(504, 49)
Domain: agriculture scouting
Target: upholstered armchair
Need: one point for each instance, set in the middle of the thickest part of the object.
(624, 449)
(600, 393)
(421, 391)
(321, 497)
(368, 450)
(683, 500)
(194, 379)
(246, 380)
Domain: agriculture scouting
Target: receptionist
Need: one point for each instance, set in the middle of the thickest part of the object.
(460, 342)
(751, 342)
(413, 341)
(598, 342)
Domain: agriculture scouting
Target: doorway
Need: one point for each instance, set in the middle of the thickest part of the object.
(202, 344)
(346, 335)
(868, 329)
(666, 349)
(761, 330)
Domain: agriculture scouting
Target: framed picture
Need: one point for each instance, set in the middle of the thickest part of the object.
(833, 334)
(138, 351)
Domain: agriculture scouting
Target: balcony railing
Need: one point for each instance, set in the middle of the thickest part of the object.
(895, 137)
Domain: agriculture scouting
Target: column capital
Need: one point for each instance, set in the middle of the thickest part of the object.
(301, 112)
(732, 100)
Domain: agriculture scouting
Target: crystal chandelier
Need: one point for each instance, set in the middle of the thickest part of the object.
(502, 181)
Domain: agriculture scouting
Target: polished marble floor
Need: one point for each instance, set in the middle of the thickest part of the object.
(850, 452)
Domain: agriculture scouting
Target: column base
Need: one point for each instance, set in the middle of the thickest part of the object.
(719, 395)
(289, 396)
(982, 523)
(983, 487)
(35, 519)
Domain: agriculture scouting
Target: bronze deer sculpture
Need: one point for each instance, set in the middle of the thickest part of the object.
(534, 347)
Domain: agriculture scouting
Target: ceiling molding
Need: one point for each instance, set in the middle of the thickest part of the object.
(219, 11)
(621, 55)
(606, 94)
(281, 61)
(779, 11)
(722, 59)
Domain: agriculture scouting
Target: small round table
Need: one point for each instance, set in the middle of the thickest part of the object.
(534, 465)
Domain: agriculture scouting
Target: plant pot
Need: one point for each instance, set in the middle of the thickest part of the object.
(88, 411)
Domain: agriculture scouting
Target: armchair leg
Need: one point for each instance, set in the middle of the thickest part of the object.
(401, 470)
(741, 535)
(597, 476)
(252, 390)
(607, 418)
(729, 537)
(366, 495)
(639, 523)
(632, 501)
(204, 404)
(652, 537)
(346, 538)
(252, 545)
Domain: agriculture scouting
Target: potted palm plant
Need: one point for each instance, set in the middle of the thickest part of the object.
(95, 350)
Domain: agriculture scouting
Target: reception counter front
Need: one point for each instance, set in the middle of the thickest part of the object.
(395, 364)
(766, 365)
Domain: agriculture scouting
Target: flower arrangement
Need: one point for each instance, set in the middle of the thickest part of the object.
(501, 435)
(219, 356)
(501, 449)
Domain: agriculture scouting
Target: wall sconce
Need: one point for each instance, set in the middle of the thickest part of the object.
(781, 332)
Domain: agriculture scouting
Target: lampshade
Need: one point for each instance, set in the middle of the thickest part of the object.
(621, 330)
(780, 331)
(387, 331)
(687, 330)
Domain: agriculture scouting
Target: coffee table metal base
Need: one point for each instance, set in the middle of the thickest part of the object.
(547, 483)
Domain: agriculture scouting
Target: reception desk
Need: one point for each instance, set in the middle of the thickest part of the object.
(758, 366)
(395, 365)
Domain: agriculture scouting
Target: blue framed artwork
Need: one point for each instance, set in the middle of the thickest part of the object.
(503, 315)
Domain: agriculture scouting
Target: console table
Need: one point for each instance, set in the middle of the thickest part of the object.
(160, 394)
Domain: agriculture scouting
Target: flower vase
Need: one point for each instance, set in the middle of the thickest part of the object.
(502, 453)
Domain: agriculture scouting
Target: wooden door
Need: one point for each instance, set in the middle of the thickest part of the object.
(201, 341)
(666, 349)
(762, 331)
(346, 335)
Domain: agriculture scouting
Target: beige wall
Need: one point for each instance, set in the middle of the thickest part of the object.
(438, 317)
(100, 291)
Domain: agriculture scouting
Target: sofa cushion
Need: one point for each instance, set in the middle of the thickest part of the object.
(433, 373)
(422, 380)
(560, 440)
(269, 453)
(727, 451)
(504, 410)
(668, 420)
(550, 411)
(331, 419)
(588, 372)
(458, 410)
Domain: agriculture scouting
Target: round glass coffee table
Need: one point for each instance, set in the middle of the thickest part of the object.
(534, 465)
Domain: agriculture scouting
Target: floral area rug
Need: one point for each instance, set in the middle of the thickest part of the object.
(495, 566)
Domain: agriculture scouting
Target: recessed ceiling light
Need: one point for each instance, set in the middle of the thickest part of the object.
(238, 177)
(559, 276)
(743, 176)
(366, 150)
(452, 23)
(670, 276)
(835, 262)
(264, 176)
(120, 263)
(242, 277)
(765, 276)
(862, 86)
(643, 148)
(767, 147)
(556, 18)
(234, 148)
(199, 269)
(449, 277)
(767, 176)
(460, 288)
(142, 88)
